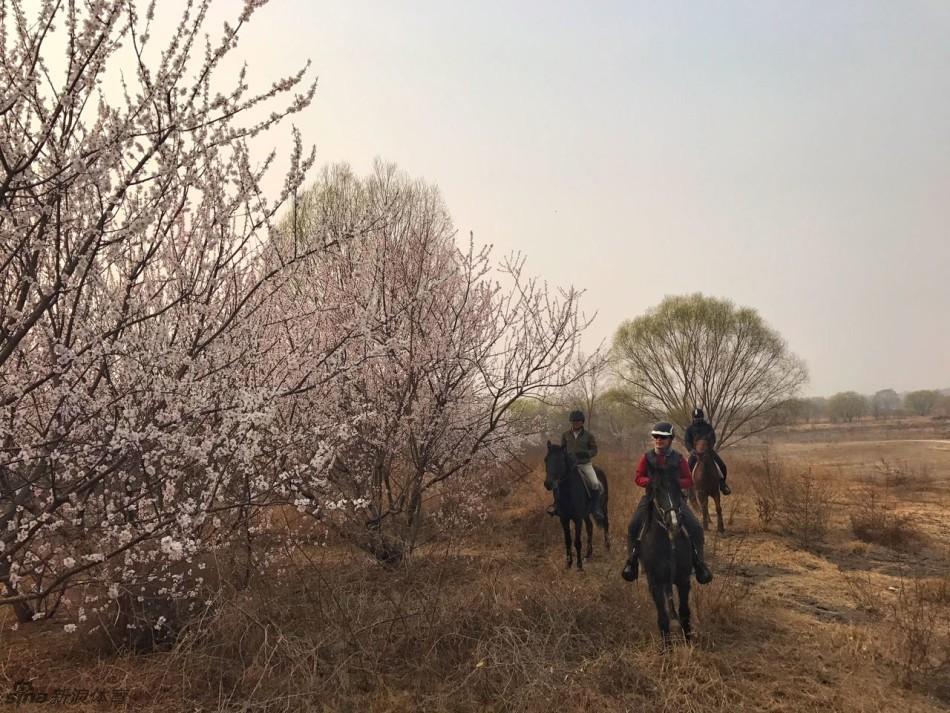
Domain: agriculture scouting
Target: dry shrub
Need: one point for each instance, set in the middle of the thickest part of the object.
(450, 632)
(724, 603)
(901, 476)
(915, 616)
(868, 597)
(919, 619)
(798, 504)
(873, 520)
(767, 477)
(453, 631)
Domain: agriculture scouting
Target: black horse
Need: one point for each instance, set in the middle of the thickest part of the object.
(666, 556)
(572, 502)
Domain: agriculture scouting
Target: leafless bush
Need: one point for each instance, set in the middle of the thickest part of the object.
(868, 597)
(766, 477)
(806, 509)
(919, 618)
(725, 601)
(915, 616)
(873, 520)
(799, 504)
(902, 476)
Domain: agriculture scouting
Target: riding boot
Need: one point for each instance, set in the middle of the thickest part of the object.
(703, 573)
(632, 565)
(723, 488)
(596, 506)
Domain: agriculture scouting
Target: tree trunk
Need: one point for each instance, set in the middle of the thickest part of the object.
(24, 612)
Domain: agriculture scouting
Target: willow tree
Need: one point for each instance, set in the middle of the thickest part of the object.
(701, 351)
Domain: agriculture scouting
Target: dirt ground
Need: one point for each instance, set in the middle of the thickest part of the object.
(494, 621)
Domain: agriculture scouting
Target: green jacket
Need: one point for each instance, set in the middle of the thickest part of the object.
(583, 448)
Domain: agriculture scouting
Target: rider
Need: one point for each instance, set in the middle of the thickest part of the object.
(661, 462)
(581, 443)
(700, 428)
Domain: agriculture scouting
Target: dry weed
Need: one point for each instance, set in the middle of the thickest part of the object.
(798, 505)
(920, 623)
(873, 520)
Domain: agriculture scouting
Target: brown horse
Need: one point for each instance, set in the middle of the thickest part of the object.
(706, 482)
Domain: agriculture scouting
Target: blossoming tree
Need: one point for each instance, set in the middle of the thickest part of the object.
(178, 366)
(132, 229)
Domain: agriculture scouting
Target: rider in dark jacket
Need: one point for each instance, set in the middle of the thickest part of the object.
(663, 461)
(581, 444)
(700, 428)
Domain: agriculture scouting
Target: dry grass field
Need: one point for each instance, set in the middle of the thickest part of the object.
(832, 593)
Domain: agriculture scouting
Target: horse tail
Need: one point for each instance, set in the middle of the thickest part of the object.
(604, 494)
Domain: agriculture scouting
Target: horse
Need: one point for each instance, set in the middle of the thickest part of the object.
(572, 503)
(706, 483)
(667, 558)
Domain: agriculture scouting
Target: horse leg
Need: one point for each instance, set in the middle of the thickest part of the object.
(658, 592)
(606, 531)
(566, 526)
(590, 537)
(704, 500)
(685, 625)
(693, 500)
(719, 526)
(577, 543)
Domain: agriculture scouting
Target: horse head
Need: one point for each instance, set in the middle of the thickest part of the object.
(557, 465)
(667, 501)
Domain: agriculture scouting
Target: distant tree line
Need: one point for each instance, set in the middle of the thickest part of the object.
(847, 406)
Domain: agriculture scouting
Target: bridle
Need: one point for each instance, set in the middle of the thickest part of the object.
(669, 520)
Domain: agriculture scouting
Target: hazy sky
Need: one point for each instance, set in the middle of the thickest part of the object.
(789, 156)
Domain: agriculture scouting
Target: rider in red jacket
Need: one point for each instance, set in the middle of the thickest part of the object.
(664, 462)
(642, 477)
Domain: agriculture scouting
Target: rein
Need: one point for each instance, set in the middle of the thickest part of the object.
(669, 520)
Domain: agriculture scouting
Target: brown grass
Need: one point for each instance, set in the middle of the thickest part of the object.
(492, 621)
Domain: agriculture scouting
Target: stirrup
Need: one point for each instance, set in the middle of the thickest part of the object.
(723, 488)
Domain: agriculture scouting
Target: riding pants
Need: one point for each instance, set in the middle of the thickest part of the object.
(590, 477)
(689, 521)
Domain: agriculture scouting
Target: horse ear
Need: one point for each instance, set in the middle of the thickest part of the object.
(549, 445)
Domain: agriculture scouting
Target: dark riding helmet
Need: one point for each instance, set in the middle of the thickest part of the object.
(576, 416)
(698, 414)
(663, 429)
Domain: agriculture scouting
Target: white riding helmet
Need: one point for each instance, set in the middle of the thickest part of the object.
(663, 429)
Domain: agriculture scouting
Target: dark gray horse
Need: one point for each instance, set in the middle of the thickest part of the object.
(667, 559)
(706, 482)
(562, 476)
